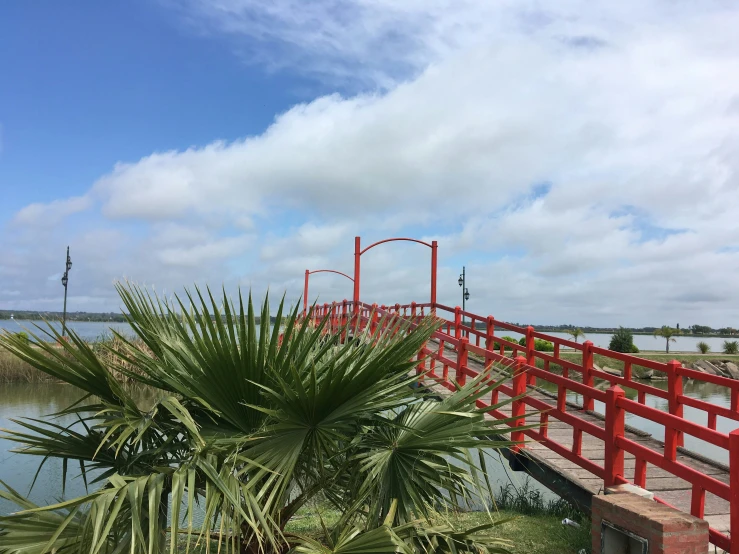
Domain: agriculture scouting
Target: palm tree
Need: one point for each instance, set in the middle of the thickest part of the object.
(251, 424)
(668, 333)
(576, 334)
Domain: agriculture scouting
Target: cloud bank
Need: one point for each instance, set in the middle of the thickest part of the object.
(579, 160)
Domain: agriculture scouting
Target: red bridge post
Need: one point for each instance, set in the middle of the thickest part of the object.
(734, 490)
(518, 408)
(615, 427)
(587, 373)
(457, 322)
(673, 437)
(462, 357)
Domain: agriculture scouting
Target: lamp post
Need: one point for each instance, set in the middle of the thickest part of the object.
(65, 280)
(465, 293)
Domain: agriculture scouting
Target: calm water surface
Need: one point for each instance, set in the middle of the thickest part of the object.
(642, 342)
(39, 400)
(89, 330)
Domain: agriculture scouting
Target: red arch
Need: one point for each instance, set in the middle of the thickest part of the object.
(357, 266)
(305, 287)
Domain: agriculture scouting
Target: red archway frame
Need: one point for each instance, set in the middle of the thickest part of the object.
(305, 288)
(357, 266)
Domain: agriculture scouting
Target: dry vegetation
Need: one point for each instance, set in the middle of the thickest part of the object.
(15, 370)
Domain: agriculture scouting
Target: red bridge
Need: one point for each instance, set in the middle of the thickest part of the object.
(576, 450)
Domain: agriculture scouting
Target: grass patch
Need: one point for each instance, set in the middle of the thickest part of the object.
(535, 524)
(15, 370)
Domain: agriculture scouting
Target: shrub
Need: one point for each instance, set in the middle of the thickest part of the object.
(543, 345)
(539, 344)
(703, 347)
(509, 339)
(23, 336)
(731, 347)
(634, 349)
(623, 341)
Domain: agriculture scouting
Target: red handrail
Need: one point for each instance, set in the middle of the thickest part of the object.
(456, 341)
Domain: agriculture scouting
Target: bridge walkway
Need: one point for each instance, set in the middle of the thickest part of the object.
(570, 480)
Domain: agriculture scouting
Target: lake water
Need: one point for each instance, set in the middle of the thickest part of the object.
(92, 330)
(89, 330)
(38, 400)
(683, 344)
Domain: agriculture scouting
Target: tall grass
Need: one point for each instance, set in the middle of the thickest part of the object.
(15, 370)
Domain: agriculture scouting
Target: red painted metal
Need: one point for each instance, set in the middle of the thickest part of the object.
(455, 338)
(615, 428)
(734, 485)
(462, 357)
(305, 286)
(358, 251)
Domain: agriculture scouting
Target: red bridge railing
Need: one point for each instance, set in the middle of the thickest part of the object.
(457, 340)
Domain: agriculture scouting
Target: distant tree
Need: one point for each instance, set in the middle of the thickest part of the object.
(731, 347)
(703, 347)
(700, 329)
(668, 333)
(726, 331)
(576, 333)
(622, 341)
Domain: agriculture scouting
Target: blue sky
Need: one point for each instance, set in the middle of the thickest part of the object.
(579, 159)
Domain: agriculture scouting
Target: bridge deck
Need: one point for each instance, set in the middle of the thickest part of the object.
(547, 464)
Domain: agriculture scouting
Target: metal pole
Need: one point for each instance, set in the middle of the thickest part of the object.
(65, 281)
(357, 256)
(305, 294)
(434, 248)
(464, 288)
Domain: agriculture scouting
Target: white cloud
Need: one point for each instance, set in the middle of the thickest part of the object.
(51, 213)
(629, 112)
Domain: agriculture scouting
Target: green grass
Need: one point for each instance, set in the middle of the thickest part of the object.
(534, 534)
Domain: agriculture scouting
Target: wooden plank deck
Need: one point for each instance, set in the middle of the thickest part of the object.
(552, 466)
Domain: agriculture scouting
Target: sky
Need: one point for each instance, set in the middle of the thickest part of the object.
(580, 159)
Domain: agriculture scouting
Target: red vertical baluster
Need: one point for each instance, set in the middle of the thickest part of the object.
(640, 472)
(462, 354)
(344, 319)
(698, 501)
(615, 428)
(457, 322)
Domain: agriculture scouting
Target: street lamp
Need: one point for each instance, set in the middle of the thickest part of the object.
(465, 293)
(65, 280)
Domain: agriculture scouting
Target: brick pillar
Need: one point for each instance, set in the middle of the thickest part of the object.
(668, 531)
